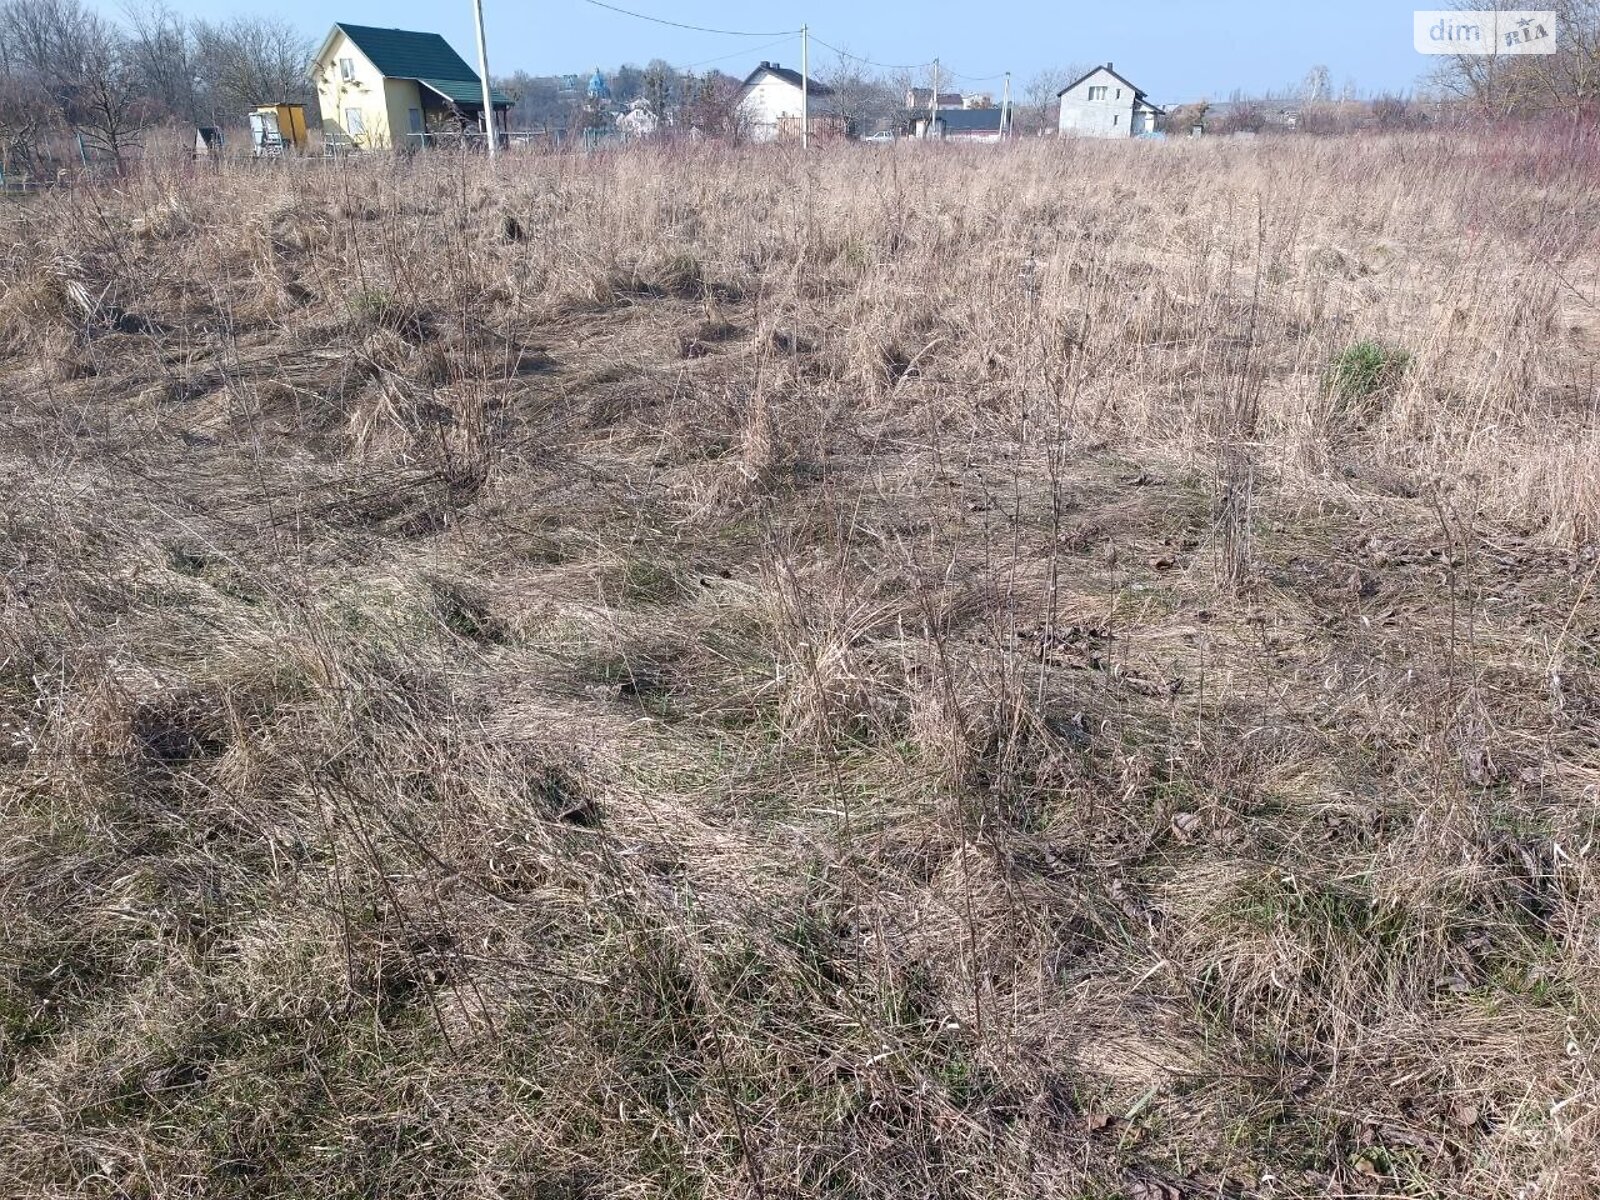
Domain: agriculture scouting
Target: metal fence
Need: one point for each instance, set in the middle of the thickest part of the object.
(13, 183)
(475, 139)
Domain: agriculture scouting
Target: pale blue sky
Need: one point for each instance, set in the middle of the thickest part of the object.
(1174, 49)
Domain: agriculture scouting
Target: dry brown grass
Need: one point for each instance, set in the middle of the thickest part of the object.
(722, 673)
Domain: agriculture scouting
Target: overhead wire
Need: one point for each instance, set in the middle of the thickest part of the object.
(781, 37)
(740, 53)
(943, 71)
(871, 62)
(696, 28)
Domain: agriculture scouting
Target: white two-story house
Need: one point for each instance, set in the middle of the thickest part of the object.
(770, 101)
(1104, 104)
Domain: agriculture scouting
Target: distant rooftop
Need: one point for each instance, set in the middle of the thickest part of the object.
(788, 75)
(970, 120)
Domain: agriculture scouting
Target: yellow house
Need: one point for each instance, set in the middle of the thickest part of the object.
(395, 88)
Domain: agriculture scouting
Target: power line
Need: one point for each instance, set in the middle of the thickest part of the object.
(908, 66)
(781, 36)
(740, 53)
(869, 62)
(696, 28)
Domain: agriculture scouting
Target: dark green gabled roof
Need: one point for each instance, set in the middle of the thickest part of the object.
(406, 54)
(465, 91)
(425, 57)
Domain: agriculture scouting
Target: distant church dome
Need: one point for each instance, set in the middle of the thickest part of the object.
(597, 86)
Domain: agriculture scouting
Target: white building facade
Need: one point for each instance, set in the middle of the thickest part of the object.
(1105, 105)
(771, 101)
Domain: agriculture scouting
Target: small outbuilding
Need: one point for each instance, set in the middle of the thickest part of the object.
(277, 129)
(963, 124)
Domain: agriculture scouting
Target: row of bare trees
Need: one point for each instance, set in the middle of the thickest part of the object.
(68, 69)
(1524, 85)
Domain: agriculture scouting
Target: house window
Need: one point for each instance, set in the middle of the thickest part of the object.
(347, 69)
(1119, 93)
(1098, 93)
(1116, 118)
(354, 125)
(414, 115)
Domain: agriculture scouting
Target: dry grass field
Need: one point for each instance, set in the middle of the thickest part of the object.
(906, 673)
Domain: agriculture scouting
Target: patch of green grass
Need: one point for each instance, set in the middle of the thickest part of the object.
(19, 1028)
(853, 254)
(375, 308)
(1326, 912)
(1531, 972)
(643, 581)
(809, 934)
(369, 306)
(1361, 371)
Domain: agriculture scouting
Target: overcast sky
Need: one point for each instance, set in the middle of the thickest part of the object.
(1173, 49)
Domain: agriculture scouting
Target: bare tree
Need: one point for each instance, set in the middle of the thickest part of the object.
(246, 61)
(162, 53)
(866, 101)
(661, 89)
(107, 81)
(1243, 116)
(43, 42)
(540, 101)
(709, 104)
(1390, 111)
(25, 118)
(1492, 85)
(1486, 83)
(1040, 107)
(28, 109)
(1570, 78)
(78, 60)
(1183, 119)
(1317, 88)
(108, 107)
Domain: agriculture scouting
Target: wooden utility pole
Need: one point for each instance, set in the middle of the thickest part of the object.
(933, 101)
(483, 72)
(1005, 110)
(805, 87)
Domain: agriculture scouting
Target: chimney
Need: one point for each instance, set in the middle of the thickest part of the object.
(1111, 66)
(765, 64)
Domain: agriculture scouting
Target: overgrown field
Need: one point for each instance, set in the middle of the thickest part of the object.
(1069, 671)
